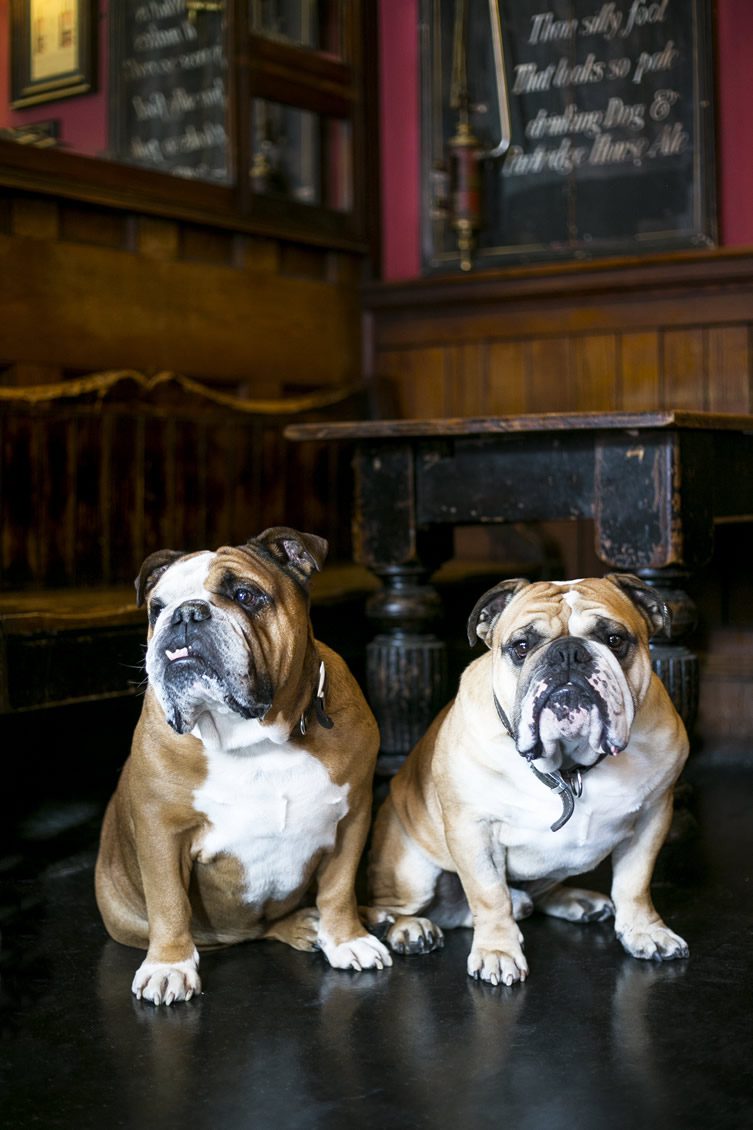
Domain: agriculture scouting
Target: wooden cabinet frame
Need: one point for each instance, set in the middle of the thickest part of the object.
(260, 68)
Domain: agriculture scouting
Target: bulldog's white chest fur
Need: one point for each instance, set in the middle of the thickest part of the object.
(521, 810)
(273, 808)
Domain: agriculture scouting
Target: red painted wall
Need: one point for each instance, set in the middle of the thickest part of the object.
(400, 130)
(400, 141)
(83, 119)
(735, 120)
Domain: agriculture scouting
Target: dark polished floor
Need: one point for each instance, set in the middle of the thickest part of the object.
(594, 1039)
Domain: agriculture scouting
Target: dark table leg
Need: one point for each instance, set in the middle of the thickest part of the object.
(406, 664)
(654, 517)
(675, 664)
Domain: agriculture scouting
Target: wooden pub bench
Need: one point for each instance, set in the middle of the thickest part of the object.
(100, 471)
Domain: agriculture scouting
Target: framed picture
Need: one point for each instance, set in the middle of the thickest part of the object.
(591, 126)
(52, 50)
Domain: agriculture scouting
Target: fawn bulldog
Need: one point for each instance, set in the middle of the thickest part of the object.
(245, 790)
(561, 747)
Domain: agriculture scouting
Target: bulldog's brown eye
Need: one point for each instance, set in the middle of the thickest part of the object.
(519, 650)
(616, 643)
(155, 608)
(249, 598)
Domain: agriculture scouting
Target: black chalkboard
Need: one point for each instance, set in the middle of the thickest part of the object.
(168, 80)
(611, 127)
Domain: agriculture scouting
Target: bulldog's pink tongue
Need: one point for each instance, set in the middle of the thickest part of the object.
(181, 653)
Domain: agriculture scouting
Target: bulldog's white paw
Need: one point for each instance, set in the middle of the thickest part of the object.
(409, 934)
(653, 942)
(366, 952)
(576, 905)
(166, 984)
(498, 967)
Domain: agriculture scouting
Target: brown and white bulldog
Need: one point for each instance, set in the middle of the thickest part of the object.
(561, 748)
(243, 789)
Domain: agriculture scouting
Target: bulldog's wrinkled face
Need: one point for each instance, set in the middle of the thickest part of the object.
(571, 663)
(228, 632)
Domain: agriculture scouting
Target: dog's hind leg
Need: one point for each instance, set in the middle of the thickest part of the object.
(572, 903)
(402, 883)
(450, 906)
(299, 929)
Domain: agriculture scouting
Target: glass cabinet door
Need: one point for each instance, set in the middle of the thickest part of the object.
(304, 105)
(317, 24)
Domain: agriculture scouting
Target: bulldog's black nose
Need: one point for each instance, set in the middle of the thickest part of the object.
(191, 611)
(568, 652)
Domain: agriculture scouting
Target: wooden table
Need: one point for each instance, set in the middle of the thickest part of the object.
(654, 484)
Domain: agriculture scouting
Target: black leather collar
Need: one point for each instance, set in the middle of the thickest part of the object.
(317, 706)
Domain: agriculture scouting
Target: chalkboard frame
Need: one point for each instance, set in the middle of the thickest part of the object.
(435, 186)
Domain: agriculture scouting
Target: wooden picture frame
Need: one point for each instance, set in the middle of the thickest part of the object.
(52, 50)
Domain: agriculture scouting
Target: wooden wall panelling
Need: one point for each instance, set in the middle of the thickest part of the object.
(508, 365)
(156, 238)
(34, 218)
(595, 372)
(692, 290)
(551, 382)
(729, 369)
(207, 245)
(386, 366)
(102, 308)
(640, 371)
(683, 369)
(113, 290)
(418, 377)
(465, 380)
(98, 226)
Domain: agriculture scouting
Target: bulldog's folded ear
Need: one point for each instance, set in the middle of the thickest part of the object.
(489, 606)
(299, 554)
(151, 571)
(647, 601)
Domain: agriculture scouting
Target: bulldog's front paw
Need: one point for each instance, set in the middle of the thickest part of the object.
(167, 983)
(409, 934)
(498, 966)
(366, 952)
(653, 942)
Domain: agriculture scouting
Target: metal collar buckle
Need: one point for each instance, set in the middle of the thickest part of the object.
(318, 704)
